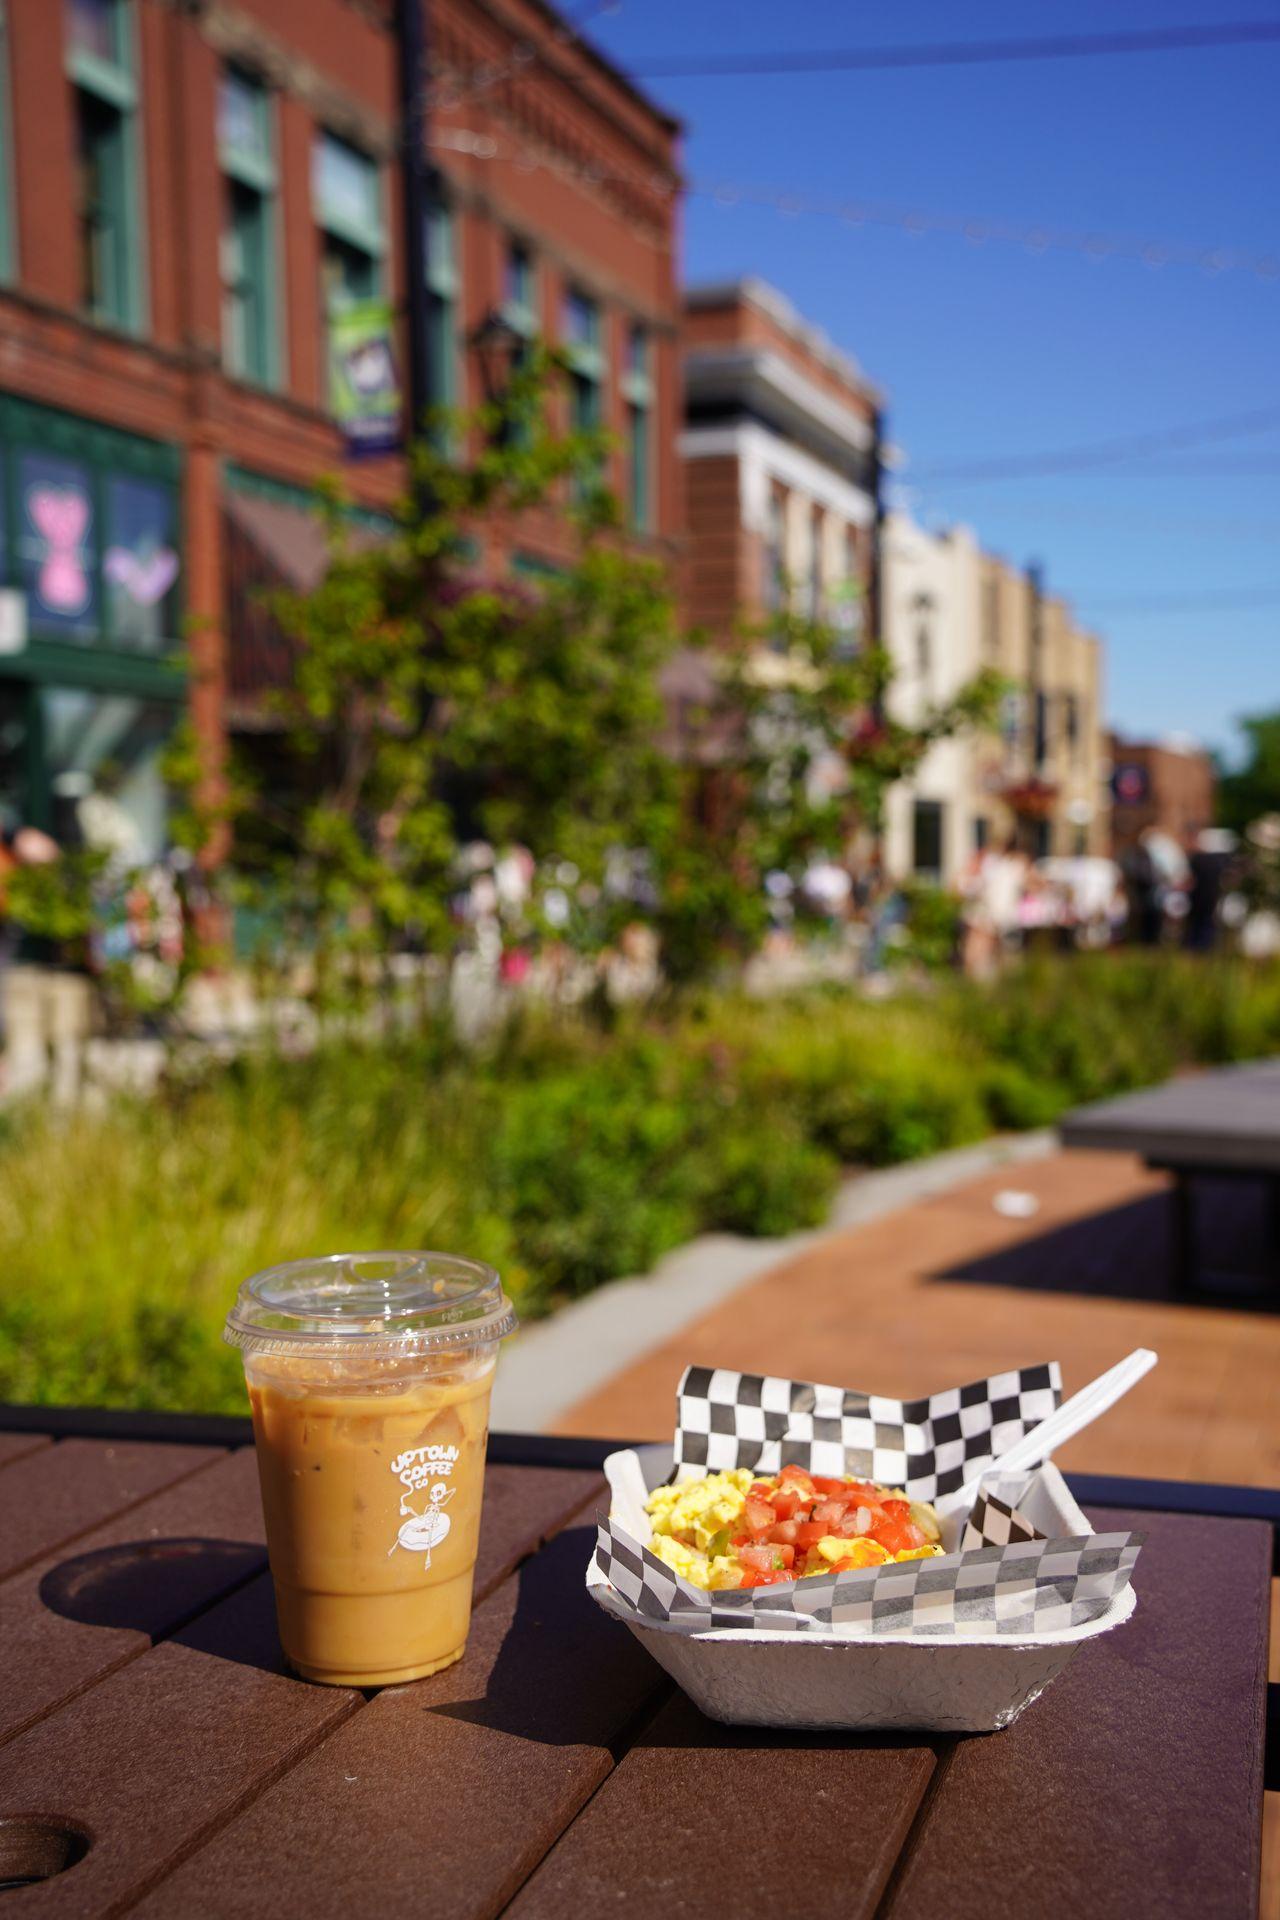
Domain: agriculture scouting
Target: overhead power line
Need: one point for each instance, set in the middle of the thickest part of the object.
(958, 53)
(1101, 453)
(975, 229)
(1213, 600)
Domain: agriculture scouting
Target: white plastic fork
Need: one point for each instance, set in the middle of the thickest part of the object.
(1067, 1420)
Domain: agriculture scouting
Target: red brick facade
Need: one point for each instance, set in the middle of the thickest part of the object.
(1159, 785)
(537, 141)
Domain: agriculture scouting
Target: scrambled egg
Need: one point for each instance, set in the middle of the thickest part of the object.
(699, 1508)
(695, 1567)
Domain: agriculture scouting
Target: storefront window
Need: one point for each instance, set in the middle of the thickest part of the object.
(140, 564)
(103, 757)
(57, 543)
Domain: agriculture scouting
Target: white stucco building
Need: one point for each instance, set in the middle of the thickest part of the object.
(932, 628)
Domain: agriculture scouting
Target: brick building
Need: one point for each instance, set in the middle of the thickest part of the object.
(189, 198)
(1168, 784)
(780, 456)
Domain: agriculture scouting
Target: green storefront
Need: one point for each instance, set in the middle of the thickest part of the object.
(91, 685)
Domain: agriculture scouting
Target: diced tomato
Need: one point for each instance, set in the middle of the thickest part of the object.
(739, 1539)
(829, 1513)
(767, 1558)
(809, 1532)
(760, 1490)
(753, 1578)
(784, 1534)
(858, 1520)
(797, 1477)
(860, 1494)
(785, 1502)
(758, 1514)
(897, 1509)
(899, 1536)
(826, 1485)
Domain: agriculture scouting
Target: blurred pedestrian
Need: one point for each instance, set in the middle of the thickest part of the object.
(1209, 857)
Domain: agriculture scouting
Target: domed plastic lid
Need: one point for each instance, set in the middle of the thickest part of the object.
(393, 1303)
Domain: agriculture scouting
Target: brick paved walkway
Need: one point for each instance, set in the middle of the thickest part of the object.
(949, 1290)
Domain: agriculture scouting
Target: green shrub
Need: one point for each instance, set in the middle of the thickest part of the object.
(565, 1154)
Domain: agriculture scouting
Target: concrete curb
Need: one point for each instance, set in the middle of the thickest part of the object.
(554, 1363)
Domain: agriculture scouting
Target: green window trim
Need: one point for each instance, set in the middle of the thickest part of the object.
(520, 303)
(111, 81)
(111, 86)
(288, 493)
(444, 285)
(251, 225)
(637, 389)
(367, 234)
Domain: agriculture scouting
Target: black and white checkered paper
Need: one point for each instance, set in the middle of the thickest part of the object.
(1004, 1577)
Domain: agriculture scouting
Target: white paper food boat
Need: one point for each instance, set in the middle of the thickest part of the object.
(855, 1679)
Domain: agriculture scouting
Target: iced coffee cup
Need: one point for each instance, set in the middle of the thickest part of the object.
(369, 1378)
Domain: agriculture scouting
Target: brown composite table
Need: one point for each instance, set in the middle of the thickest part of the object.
(151, 1736)
(1223, 1124)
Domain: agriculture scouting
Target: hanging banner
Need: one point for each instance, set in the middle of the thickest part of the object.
(367, 400)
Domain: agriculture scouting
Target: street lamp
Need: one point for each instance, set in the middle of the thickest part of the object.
(497, 344)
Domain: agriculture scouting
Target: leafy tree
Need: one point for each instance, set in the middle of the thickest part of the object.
(815, 750)
(431, 703)
(1252, 789)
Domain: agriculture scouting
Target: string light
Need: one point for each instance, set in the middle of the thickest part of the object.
(977, 230)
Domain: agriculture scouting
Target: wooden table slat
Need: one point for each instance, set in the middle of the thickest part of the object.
(16, 1446)
(441, 1797)
(59, 1492)
(1134, 1786)
(79, 1615)
(831, 1817)
(162, 1752)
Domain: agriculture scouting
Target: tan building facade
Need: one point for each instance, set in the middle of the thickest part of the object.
(1039, 777)
(1042, 777)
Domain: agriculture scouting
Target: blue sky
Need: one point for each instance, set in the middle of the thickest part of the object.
(992, 350)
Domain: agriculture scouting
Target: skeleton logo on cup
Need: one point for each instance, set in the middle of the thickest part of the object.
(420, 1532)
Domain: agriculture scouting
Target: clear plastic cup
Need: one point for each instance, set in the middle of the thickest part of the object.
(369, 1377)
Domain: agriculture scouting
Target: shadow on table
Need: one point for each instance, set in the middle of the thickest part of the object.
(1126, 1253)
(154, 1586)
(567, 1674)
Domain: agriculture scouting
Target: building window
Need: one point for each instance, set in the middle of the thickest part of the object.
(1041, 728)
(347, 200)
(443, 282)
(581, 328)
(924, 638)
(981, 833)
(817, 524)
(1071, 726)
(637, 392)
(105, 101)
(926, 839)
(991, 619)
(250, 333)
(520, 290)
(775, 551)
